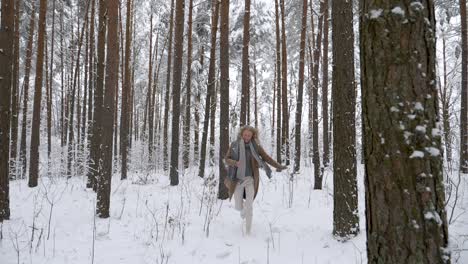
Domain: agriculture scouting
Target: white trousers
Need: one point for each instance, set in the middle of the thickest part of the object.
(245, 207)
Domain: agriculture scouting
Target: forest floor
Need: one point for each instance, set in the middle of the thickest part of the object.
(152, 222)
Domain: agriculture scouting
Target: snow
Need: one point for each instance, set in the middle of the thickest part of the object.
(433, 216)
(417, 154)
(417, 6)
(375, 13)
(418, 106)
(398, 11)
(433, 151)
(137, 231)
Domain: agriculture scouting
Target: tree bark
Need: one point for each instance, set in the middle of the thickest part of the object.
(112, 72)
(345, 199)
(168, 87)
(27, 70)
(278, 84)
(284, 86)
(96, 153)
(125, 113)
(178, 52)
(464, 91)
(326, 141)
(188, 117)
(405, 214)
(300, 89)
(224, 98)
(36, 122)
(245, 66)
(6, 75)
(211, 84)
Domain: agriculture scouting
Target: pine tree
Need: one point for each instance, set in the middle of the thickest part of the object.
(405, 212)
(36, 121)
(345, 210)
(178, 52)
(6, 79)
(112, 72)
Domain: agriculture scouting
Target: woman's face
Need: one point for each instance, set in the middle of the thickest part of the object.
(247, 135)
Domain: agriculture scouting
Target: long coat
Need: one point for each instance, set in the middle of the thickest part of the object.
(231, 161)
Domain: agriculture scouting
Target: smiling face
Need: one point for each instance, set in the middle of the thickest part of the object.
(247, 135)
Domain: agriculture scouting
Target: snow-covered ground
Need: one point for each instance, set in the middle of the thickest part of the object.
(157, 223)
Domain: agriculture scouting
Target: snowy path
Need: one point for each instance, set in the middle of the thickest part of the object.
(138, 232)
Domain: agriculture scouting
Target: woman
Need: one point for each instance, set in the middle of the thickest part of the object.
(244, 157)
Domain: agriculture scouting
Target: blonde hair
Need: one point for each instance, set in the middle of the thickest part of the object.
(251, 129)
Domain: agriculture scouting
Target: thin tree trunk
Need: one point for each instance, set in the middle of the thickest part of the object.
(149, 109)
(326, 141)
(186, 137)
(278, 85)
(168, 87)
(245, 65)
(300, 89)
(125, 113)
(224, 98)
(14, 93)
(178, 52)
(91, 86)
(211, 84)
(284, 86)
(196, 143)
(27, 70)
(36, 122)
(315, 88)
(464, 91)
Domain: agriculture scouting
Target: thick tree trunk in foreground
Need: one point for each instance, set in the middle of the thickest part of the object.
(112, 73)
(405, 214)
(6, 63)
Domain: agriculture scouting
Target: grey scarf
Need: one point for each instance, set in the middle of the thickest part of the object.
(240, 174)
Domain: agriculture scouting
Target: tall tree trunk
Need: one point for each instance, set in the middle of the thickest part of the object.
(405, 214)
(178, 52)
(445, 102)
(224, 98)
(284, 86)
(75, 86)
(27, 70)
(211, 84)
(149, 106)
(51, 84)
(315, 84)
(464, 91)
(36, 122)
(326, 141)
(345, 199)
(6, 73)
(245, 65)
(91, 86)
(300, 89)
(186, 137)
(125, 113)
(196, 143)
(278, 84)
(112, 72)
(95, 166)
(14, 93)
(168, 87)
(214, 104)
